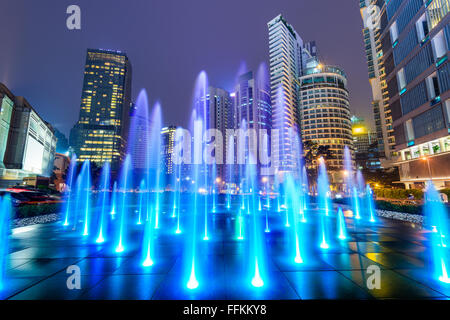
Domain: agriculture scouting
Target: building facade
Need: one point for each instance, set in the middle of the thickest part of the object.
(370, 13)
(325, 114)
(219, 116)
(101, 132)
(167, 145)
(365, 146)
(30, 141)
(415, 37)
(252, 104)
(139, 133)
(285, 54)
(6, 110)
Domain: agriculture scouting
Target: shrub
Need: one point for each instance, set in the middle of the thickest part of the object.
(398, 193)
(404, 208)
(445, 191)
(33, 210)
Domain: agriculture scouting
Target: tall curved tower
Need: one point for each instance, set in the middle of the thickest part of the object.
(325, 114)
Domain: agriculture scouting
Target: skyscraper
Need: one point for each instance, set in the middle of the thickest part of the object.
(285, 54)
(140, 131)
(365, 145)
(219, 109)
(377, 78)
(101, 132)
(325, 114)
(167, 145)
(415, 38)
(219, 116)
(252, 104)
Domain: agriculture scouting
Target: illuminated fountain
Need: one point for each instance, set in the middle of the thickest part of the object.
(341, 225)
(255, 229)
(5, 213)
(324, 203)
(114, 201)
(104, 203)
(125, 184)
(198, 124)
(85, 184)
(437, 219)
(69, 189)
(370, 203)
(137, 205)
(293, 209)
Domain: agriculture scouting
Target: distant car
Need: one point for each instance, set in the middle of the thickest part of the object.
(27, 196)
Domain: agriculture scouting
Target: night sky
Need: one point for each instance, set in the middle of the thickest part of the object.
(168, 43)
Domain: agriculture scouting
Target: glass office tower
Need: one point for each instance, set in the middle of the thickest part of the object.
(101, 132)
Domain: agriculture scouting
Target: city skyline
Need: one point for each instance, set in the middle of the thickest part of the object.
(225, 151)
(222, 70)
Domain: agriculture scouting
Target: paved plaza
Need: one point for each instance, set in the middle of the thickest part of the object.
(40, 255)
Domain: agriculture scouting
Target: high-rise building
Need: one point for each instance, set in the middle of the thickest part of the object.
(415, 38)
(6, 110)
(370, 10)
(219, 116)
(167, 145)
(325, 114)
(139, 132)
(62, 144)
(218, 104)
(285, 54)
(101, 132)
(365, 145)
(30, 141)
(252, 104)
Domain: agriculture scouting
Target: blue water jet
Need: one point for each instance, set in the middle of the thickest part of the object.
(125, 184)
(355, 204)
(141, 201)
(69, 189)
(104, 188)
(370, 204)
(323, 196)
(114, 200)
(437, 219)
(5, 214)
(341, 225)
(87, 196)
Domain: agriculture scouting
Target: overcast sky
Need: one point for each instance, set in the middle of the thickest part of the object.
(168, 43)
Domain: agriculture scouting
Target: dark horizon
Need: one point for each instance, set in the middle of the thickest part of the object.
(168, 45)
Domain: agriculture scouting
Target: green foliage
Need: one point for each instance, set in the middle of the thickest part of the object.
(389, 206)
(33, 210)
(445, 191)
(398, 193)
(382, 177)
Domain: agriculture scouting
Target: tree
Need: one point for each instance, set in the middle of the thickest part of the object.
(53, 176)
(314, 152)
